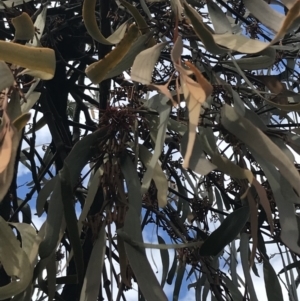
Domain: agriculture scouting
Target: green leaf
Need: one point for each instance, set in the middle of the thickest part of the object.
(295, 264)
(92, 279)
(244, 249)
(198, 161)
(12, 3)
(202, 31)
(178, 282)
(219, 204)
(76, 160)
(138, 46)
(183, 204)
(90, 22)
(172, 271)
(97, 71)
(289, 225)
(26, 212)
(44, 194)
(14, 261)
(28, 236)
(260, 9)
(40, 25)
(218, 18)
(160, 104)
(165, 261)
(53, 222)
(159, 177)
(92, 190)
(225, 233)
(260, 143)
(262, 60)
(71, 219)
(237, 42)
(139, 263)
(234, 291)
(6, 76)
(144, 63)
(273, 288)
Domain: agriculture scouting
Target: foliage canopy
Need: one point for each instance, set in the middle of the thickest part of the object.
(171, 121)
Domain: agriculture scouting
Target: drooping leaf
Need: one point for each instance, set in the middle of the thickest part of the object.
(178, 281)
(244, 245)
(172, 271)
(225, 233)
(40, 25)
(53, 223)
(93, 188)
(44, 194)
(202, 31)
(198, 161)
(159, 177)
(289, 226)
(258, 141)
(159, 103)
(263, 59)
(218, 17)
(92, 279)
(76, 160)
(146, 279)
(71, 219)
(234, 291)
(238, 43)
(273, 287)
(164, 254)
(195, 94)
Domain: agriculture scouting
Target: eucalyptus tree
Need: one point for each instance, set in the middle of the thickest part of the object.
(173, 134)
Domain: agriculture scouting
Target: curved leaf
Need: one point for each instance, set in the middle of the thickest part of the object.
(90, 22)
(23, 26)
(40, 60)
(97, 71)
(225, 233)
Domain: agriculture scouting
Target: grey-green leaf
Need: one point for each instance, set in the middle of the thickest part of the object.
(273, 288)
(165, 261)
(225, 233)
(139, 263)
